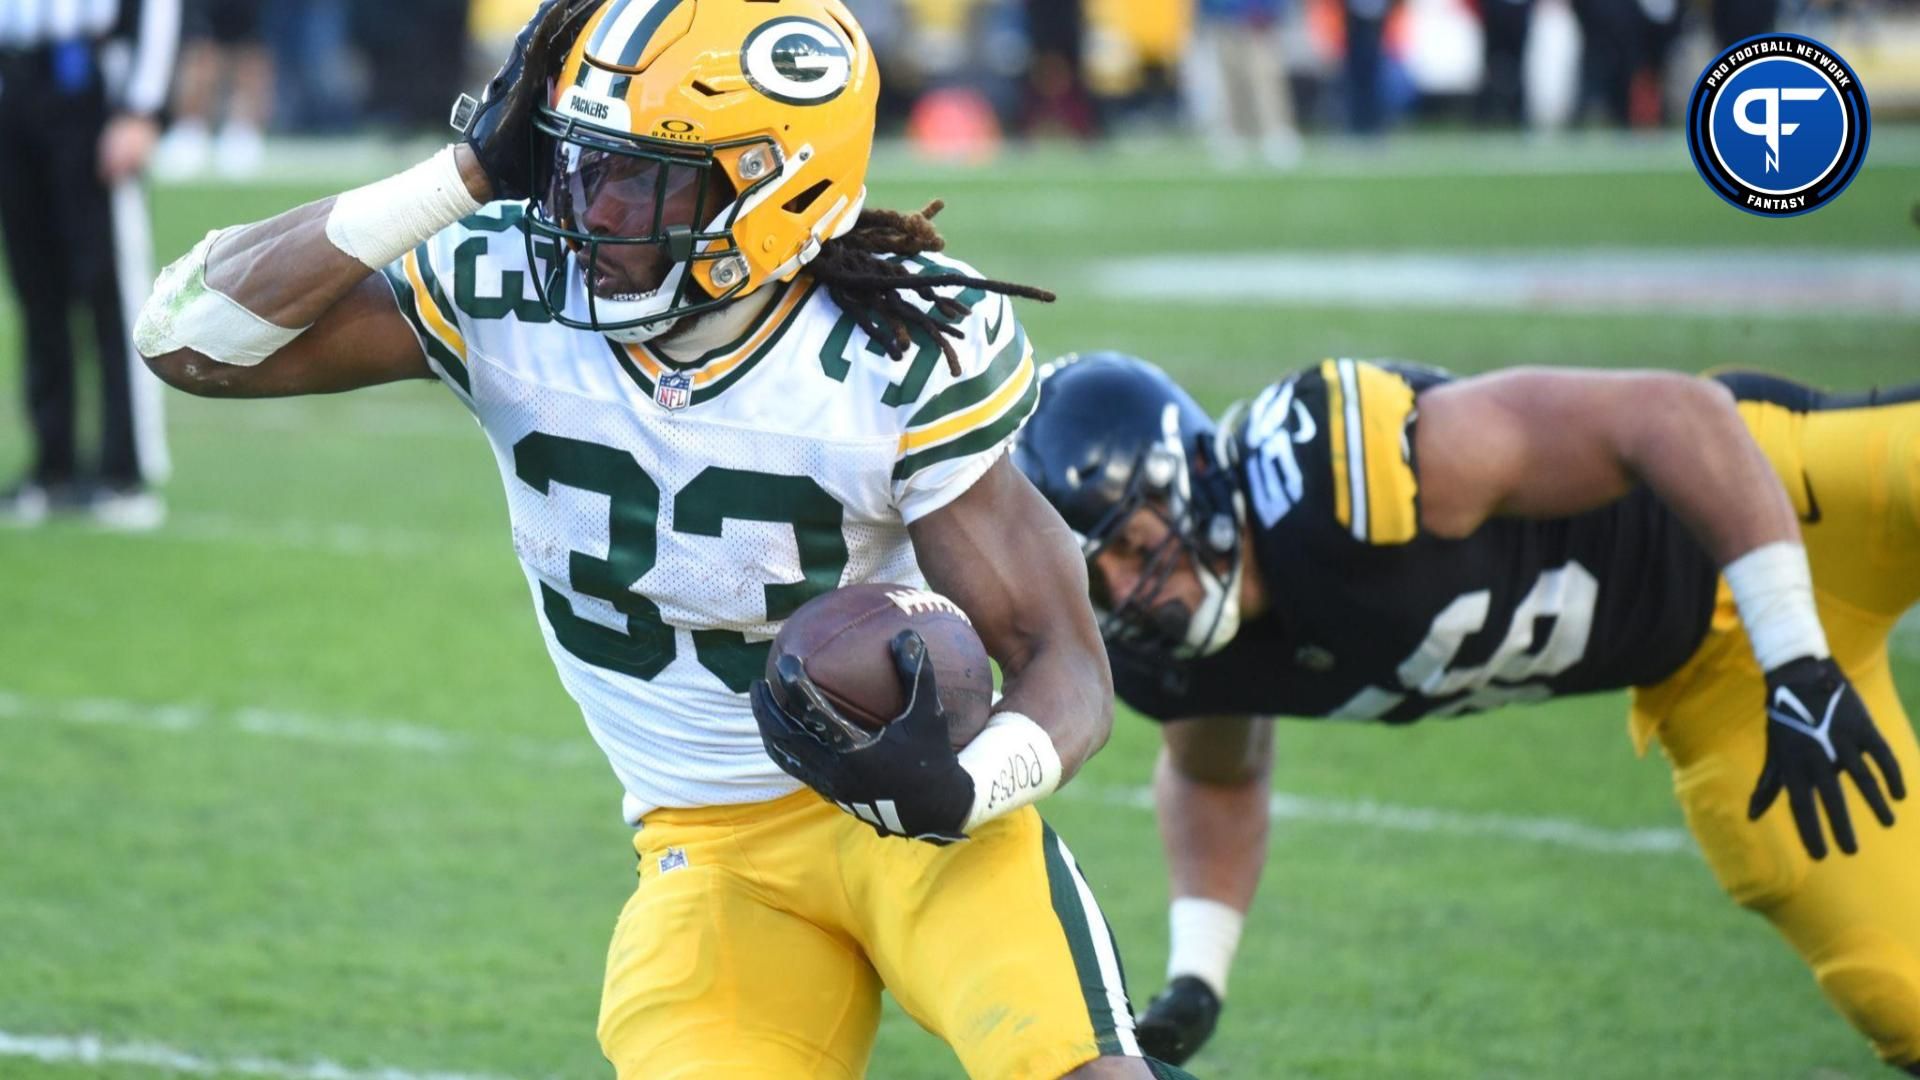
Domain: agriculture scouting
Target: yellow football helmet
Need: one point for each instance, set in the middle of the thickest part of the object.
(693, 151)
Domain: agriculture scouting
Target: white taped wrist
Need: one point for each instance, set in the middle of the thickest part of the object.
(1773, 587)
(185, 312)
(1013, 763)
(1204, 935)
(386, 219)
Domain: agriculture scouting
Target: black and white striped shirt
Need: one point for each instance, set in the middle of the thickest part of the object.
(144, 34)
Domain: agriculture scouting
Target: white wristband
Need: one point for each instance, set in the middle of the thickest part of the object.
(386, 219)
(1204, 936)
(1773, 587)
(1013, 763)
(185, 312)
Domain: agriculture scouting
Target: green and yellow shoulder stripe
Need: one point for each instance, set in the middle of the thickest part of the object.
(1375, 490)
(417, 288)
(978, 410)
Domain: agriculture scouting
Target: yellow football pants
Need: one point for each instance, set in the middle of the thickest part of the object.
(760, 936)
(1854, 475)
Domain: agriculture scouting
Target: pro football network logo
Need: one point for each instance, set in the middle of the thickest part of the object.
(1778, 125)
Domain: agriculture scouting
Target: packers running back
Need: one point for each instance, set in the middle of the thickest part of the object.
(716, 383)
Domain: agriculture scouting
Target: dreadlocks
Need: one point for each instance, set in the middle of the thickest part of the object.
(871, 288)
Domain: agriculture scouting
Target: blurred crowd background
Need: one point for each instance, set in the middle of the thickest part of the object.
(961, 76)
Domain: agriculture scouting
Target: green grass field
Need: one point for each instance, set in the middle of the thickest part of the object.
(291, 782)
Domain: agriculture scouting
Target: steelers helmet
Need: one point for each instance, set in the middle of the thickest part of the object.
(1112, 435)
(693, 151)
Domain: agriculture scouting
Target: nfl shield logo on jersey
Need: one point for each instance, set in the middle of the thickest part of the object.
(674, 390)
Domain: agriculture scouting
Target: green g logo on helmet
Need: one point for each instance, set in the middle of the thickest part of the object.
(796, 61)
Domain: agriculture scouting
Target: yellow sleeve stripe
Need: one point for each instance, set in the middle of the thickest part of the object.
(976, 417)
(435, 320)
(1337, 441)
(1374, 485)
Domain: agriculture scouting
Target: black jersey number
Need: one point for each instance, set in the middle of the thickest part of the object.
(644, 646)
(1561, 601)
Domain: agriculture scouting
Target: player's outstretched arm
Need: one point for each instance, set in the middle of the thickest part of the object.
(1540, 443)
(274, 309)
(1211, 791)
(1553, 442)
(1003, 554)
(292, 305)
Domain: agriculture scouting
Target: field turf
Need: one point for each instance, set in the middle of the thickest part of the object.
(291, 784)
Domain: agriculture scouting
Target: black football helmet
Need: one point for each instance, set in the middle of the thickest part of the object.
(1113, 434)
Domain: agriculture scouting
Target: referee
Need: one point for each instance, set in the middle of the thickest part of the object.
(82, 83)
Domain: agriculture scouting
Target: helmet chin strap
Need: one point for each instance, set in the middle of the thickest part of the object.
(619, 311)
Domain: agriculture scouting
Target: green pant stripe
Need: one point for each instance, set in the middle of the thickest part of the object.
(1072, 913)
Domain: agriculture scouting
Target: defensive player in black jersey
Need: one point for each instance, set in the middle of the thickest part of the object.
(1382, 541)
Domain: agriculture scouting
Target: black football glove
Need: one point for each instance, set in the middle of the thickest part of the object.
(499, 126)
(905, 780)
(1817, 728)
(1178, 1020)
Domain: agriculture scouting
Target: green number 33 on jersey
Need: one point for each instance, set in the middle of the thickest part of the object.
(646, 646)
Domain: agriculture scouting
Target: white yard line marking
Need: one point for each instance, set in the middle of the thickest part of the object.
(332, 538)
(1730, 282)
(357, 731)
(1150, 160)
(1554, 832)
(91, 1049)
(326, 538)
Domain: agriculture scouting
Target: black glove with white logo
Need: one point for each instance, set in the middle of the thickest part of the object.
(1178, 1021)
(499, 126)
(905, 780)
(1817, 729)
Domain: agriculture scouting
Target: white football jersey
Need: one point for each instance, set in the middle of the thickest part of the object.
(668, 517)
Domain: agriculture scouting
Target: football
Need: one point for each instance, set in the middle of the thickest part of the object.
(842, 639)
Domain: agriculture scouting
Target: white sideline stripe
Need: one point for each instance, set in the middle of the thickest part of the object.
(95, 1050)
(355, 731)
(353, 160)
(1158, 160)
(1729, 282)
(332, 538)
(332, 730)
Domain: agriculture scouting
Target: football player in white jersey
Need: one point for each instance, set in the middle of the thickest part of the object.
(716, 386)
